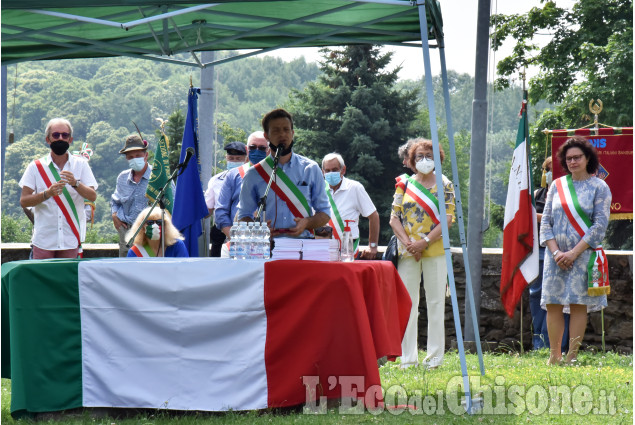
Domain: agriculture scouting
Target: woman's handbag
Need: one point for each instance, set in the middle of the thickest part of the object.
(391, 253)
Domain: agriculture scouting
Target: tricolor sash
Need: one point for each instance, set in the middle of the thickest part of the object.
(143, 251)
(337, 224)
(424, 199)
(597, 267)
(285, 189)
(401, 181)
(243, 169)
(65, 202)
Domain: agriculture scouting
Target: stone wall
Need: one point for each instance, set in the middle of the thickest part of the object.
(497, 330)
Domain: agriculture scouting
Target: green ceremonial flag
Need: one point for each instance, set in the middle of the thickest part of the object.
(160, 174)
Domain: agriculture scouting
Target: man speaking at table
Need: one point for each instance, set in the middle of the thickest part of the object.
(349, 200)
(297, 202)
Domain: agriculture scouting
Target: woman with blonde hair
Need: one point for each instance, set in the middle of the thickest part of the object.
(147, 243)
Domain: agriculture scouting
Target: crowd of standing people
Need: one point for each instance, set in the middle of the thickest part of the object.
(306, 197)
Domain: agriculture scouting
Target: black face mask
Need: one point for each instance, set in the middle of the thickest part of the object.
(286, 151)
(59, 147)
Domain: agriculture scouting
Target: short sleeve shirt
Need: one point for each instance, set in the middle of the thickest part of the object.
(51, 231)
(352, 200)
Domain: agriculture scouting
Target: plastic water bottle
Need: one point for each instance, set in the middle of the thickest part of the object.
(347, 250)
(252, 240)
(266, 242)
(233, 240)
(257, 241)
(241, 238)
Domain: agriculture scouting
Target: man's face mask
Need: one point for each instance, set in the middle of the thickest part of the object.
(59, 147)
(333, 178)
(256, 155)
(137, 164)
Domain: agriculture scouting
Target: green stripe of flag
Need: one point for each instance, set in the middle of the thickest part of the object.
(576, 203)
(49, 338)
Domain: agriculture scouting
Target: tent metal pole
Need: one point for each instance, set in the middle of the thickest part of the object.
(475, 227)
(441, 196)
(459, 206)
(206, 123)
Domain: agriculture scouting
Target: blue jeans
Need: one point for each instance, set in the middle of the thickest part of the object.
(540, 337)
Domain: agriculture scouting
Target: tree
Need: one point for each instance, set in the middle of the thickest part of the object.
(354, 109)
(589, 57)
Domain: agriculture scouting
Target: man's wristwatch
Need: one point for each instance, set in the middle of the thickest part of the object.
(76, 185)
(372, 245)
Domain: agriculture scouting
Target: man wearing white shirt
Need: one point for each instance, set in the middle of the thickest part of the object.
(56, 186)
(349, 200)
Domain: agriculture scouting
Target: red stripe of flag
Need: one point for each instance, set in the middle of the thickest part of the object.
(57, 200)
(567, 210)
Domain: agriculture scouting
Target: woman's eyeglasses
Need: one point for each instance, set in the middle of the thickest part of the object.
(574, 158)
(260, 148)
(420, 157)
(151, 222)
(57, 135)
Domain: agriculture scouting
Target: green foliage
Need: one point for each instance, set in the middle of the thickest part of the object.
(356, 110)
(590, 57)
(16, 228)
(101, 97)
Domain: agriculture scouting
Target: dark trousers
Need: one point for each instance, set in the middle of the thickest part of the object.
(218, 238)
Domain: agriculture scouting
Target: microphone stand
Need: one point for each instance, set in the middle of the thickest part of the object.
(159, 200)
(262, 204)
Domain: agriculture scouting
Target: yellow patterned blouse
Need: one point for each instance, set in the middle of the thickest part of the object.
(416, 220)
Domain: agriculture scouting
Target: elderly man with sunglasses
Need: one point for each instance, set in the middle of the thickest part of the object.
(227, 205)
(56, 186)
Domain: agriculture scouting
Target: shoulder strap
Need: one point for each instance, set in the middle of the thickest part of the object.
(424, 199)
(65, 202)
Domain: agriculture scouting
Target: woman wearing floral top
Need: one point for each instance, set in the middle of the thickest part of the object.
(565, 287)
(415, 219)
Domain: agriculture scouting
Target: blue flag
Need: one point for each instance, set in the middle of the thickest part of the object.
(189, 201)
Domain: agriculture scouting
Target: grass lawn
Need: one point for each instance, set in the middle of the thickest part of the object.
(516, 389)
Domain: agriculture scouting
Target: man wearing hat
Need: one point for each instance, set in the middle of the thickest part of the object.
(129, 198)
(236, 156)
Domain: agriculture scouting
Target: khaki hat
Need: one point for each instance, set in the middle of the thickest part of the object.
(134, 143)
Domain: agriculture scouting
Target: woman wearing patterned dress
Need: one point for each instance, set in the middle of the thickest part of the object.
(565, 275)
(415, 219)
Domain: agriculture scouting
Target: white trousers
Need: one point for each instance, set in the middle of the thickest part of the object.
(435, 276)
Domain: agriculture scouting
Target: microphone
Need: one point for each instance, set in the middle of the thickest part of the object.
(276, 157)
(188, 155)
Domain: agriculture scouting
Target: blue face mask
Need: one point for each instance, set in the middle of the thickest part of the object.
(231, 165)
(333, 178)
(256, 156)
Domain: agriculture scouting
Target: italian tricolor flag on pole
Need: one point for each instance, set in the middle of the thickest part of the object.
(520, 232)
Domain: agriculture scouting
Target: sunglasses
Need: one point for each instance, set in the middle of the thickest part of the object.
(260, 148)
(57, 135)
(151, 222)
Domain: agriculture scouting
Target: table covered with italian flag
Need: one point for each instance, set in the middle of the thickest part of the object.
(194, 334)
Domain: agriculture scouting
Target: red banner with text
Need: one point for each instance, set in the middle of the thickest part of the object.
(615, 152)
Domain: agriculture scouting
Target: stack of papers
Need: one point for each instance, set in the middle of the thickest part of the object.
(287, 249)
(319, 250)
(306, 249)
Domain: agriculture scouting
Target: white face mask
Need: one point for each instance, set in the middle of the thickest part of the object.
(549, 177)
(137, 164)
(231, 164)
(425, 165)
